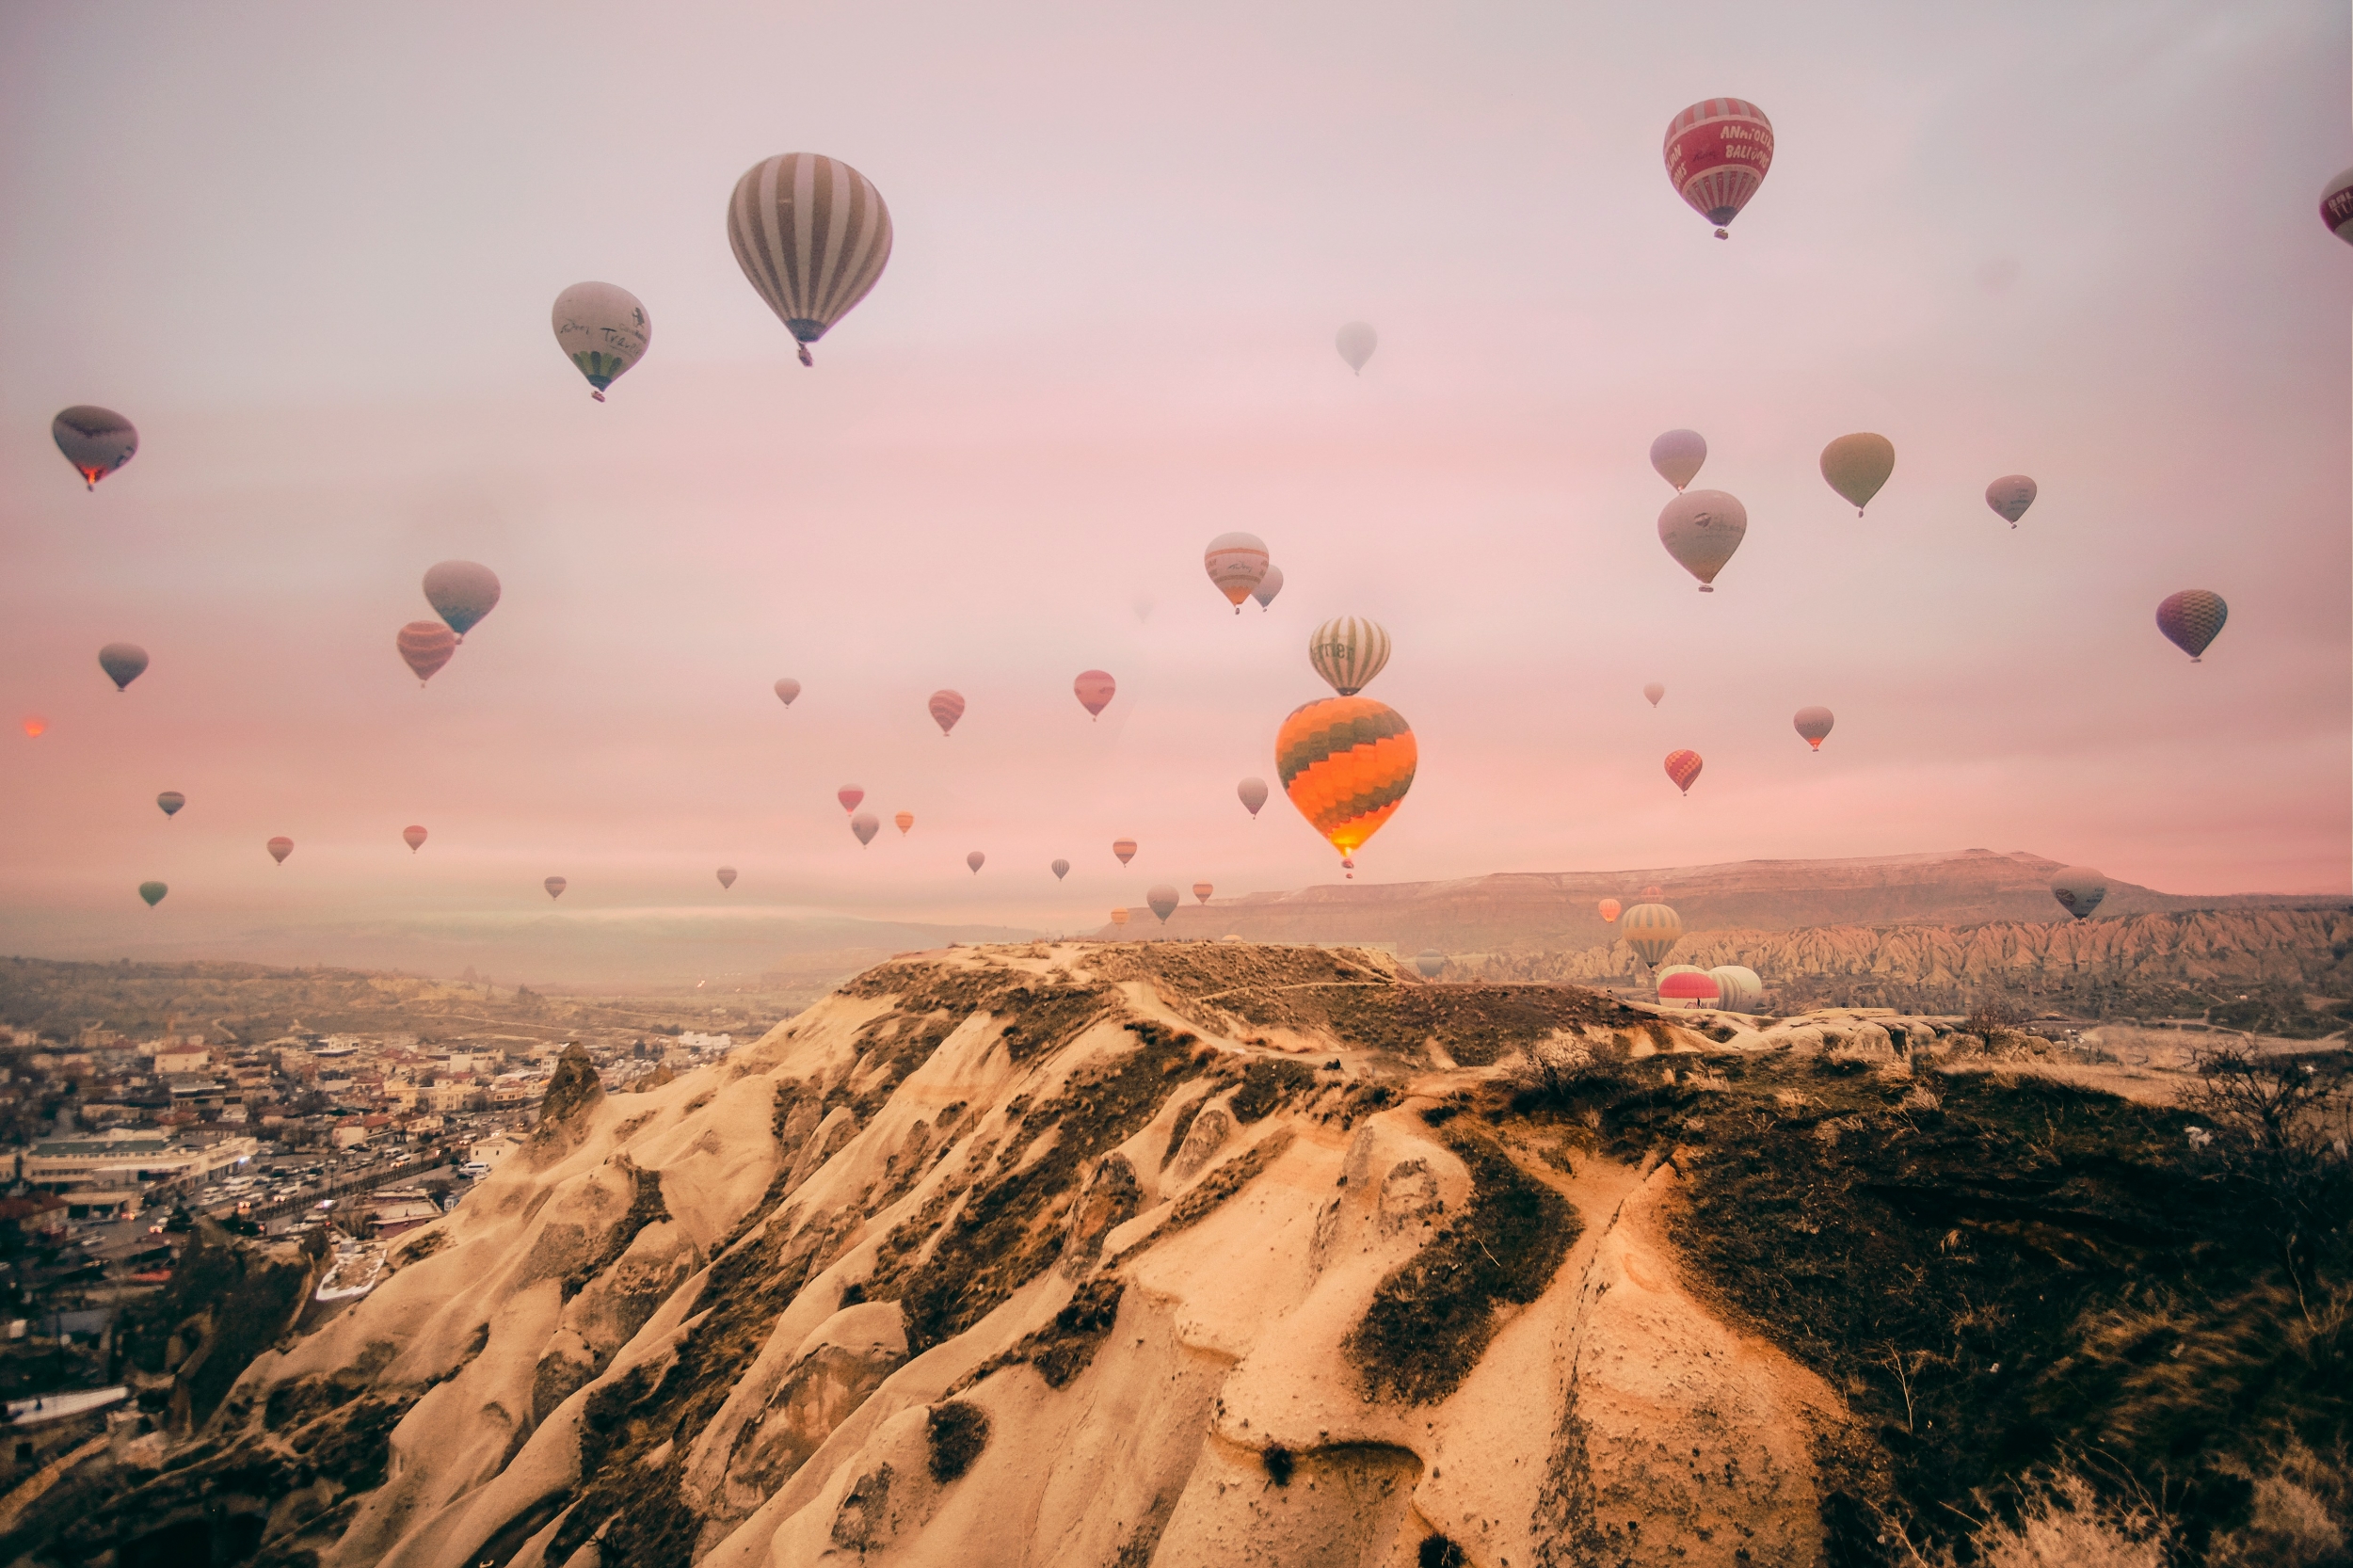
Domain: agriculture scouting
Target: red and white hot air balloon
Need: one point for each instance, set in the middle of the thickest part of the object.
(1718, 151)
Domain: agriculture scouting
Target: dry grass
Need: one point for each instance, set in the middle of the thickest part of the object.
(2061, 1523)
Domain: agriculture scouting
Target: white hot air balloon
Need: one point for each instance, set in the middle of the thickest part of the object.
(1700, 529)
(1677, 456)
(2010, 495)
(1236, 564)
(1348, 651)
(1356, 341)
(605, 329)
(1253, 795)
(812, 236)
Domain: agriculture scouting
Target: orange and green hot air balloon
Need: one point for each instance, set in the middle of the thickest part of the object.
(1345, 762)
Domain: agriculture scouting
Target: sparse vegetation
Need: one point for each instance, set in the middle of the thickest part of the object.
(958, 1430)
(1279, 1462)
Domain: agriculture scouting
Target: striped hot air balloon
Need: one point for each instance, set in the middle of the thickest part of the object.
(1739, 988)
(1125, 849)
(1684, 768)
(1119, 916)
(947, 708)
(1345, 762)
(171, 800)
(1651, 929)
(1236, 564)
(1718, 151)
(1061, 869)
(2192, 620)
(1654, 893)
(1348, 651)
(555, 885)
(1202, 890)
(904, 819)
(424, 646)
(812, 235)
(1609, 907)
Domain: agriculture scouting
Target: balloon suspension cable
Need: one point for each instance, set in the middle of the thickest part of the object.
(598, 395)
(807, 357)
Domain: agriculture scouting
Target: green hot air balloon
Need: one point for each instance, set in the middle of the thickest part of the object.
(1856, 466)
(152, 893)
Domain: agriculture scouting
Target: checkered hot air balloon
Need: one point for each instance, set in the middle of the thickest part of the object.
(812, 236)
(1345, 762)
(1718, 151)
(1684, 768)
(2192, 620)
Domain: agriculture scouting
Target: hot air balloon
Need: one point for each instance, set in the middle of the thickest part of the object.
(727, 876)
(1814, 723)
(2336, 207)
(1061, 869)
(1236, 564)
(1125, 849)
(812, 235)
(2079, 891)
(1163, 901)
(786, 689)
(1677, 456)
(426, 646)
(1252, 792)
(904, 819)
(866, 825)
(976, 860)
(849, 795)
(1119, 916)
(2010, 495)
(2190, 620)
(95, 440)
(1348, 652)
(1651, 929)
(1269, 586)
(1094, 690)
(1654, 691)
(1201, 891)
(555, 885)
(1609, 909)
(1737, 989)
(152, 893)
(1684, 768)
(35, 726)
(122, 662)
(1653, 893)
(947, 708)
(461, 593)
(1717, 153)
(1430, 961)
(1700, 529)
(1345, 762)
(604, 330)
(279, 848)
(171, 800)
(414, 837)
(1693, 987)
(1356, 341)
(1857, 465)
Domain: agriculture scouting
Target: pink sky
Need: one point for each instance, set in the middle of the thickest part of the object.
(313, 256)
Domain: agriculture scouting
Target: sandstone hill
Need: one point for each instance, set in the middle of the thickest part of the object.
(1131, 1254)
(1557, 910)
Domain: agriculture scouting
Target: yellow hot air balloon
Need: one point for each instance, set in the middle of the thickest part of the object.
(1651, 929)
(1345, 762)
(1856, 466)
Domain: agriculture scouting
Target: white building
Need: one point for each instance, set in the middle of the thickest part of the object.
(125, 1159)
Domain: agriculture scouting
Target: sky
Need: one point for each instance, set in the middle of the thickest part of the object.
(312, 253)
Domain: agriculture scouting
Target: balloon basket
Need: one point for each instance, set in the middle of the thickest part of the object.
(598, 395)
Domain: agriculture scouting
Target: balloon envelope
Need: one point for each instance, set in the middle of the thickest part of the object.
(1094, 690)
(727, 876)
(1202, 890)
(122, 662)
(1609, 907)
(1269, 586)
(2010, 495)
(866, 825)
(1677, 456)
(1688, 984)
(786, 689)
(976, 859)
(152, 893)
(1163, 900)
(35, 726)
(1857, 465)
(812, 236)
(461, 593)
(171, 800)
(555, 885)
(279, 848)
(1356, 341)
(2079, 891)
(424, 646)
(905, 821)
(1654, 691)
(1814, 723)
(1119, 916)
(849, 795)
(947, 708)
(414, 837)
(1348, 652)
(1252, 792)
(2192, 620)
(1430, 961)
(1718, 151)
(1236, 564)
(1347, 764)
(1061, 869)
(1125, 849)
(1737, 989)
(1684, 768)
(1651, 929)
(2336, 206)
(1700, 529)
(603, 329)
(1653, 893)
(95, 440)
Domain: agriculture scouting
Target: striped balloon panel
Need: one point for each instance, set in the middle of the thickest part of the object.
(424, 646)
(1125, 849)
(947, 708)
(1236, 564)
(1684, 768)
(1202, 890)
(2191, 619)
(1739, 990)
(1348, 652)
(812, 235)
(1716, 155)
(1609, 909)
(1651, 929)
(1345, 762)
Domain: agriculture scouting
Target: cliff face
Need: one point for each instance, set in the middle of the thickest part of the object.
(1135, 1255)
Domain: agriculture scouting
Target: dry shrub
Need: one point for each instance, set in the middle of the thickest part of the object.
(1562, 1075)
(2061, 1523)
(2298, 1516)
